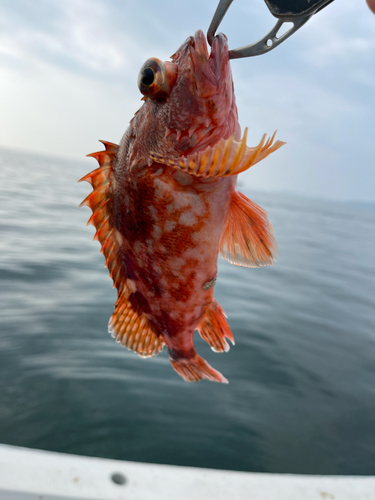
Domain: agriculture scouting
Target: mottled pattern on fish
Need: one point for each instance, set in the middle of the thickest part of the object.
(165, 203)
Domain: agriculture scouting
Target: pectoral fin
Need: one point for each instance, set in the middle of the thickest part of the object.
(247, 238)
(227, 157)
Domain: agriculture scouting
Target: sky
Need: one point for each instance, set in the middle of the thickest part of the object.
(68, 77)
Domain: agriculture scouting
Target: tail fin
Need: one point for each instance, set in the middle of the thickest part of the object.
(195, 369)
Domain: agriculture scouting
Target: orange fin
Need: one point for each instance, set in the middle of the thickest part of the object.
(128, 324)
(213, 328)
(196, 368)
(130, 327)
(227, 157)
(247, 238)
(99, 200)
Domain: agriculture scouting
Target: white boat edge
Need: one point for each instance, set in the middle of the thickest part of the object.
(27, 474)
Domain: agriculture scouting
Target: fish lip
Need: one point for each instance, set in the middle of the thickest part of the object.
(210, 64)
(219, 47)
(199, 44)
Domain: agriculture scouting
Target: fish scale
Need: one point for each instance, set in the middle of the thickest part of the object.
(165, 204)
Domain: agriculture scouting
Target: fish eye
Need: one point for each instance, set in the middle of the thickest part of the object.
(147, 77)
(156, 79)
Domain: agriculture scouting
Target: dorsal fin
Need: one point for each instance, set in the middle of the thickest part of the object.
(99, 200)
(128, 324)
(247, 238)
(227, 157)
(213, 328)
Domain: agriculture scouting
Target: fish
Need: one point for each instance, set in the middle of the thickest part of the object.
(164, 204)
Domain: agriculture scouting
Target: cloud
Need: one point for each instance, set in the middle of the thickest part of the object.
(77, 36)
(340, 34)
(69, 70)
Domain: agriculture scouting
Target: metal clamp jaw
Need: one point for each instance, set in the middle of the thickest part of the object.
(297, 12)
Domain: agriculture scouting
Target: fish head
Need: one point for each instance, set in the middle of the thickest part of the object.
(189, 101)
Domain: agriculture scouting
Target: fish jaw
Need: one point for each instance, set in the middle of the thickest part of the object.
(208, 78)
(200, 109)
(208, 68)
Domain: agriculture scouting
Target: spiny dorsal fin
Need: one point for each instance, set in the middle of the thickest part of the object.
(213, 328)
(227, 157)
(128, 324)
(247, 238)
(99, 200)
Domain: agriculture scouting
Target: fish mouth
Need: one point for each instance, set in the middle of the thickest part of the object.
(207, 91)
(208, 68)
(199, 44)
(219, 46)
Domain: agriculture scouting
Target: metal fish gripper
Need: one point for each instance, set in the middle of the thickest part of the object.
(297, 12)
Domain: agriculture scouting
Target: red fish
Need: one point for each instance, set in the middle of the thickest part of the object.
(165, 203)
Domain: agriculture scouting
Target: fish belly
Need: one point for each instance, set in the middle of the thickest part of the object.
(170, 248)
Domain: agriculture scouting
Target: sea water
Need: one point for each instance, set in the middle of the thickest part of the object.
(301, 396)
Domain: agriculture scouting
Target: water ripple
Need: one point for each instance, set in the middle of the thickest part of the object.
(302, 373)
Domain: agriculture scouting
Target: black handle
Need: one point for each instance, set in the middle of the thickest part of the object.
(283, 9)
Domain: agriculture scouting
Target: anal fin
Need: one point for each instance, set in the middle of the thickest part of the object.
(247, 238)
(213, 328)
